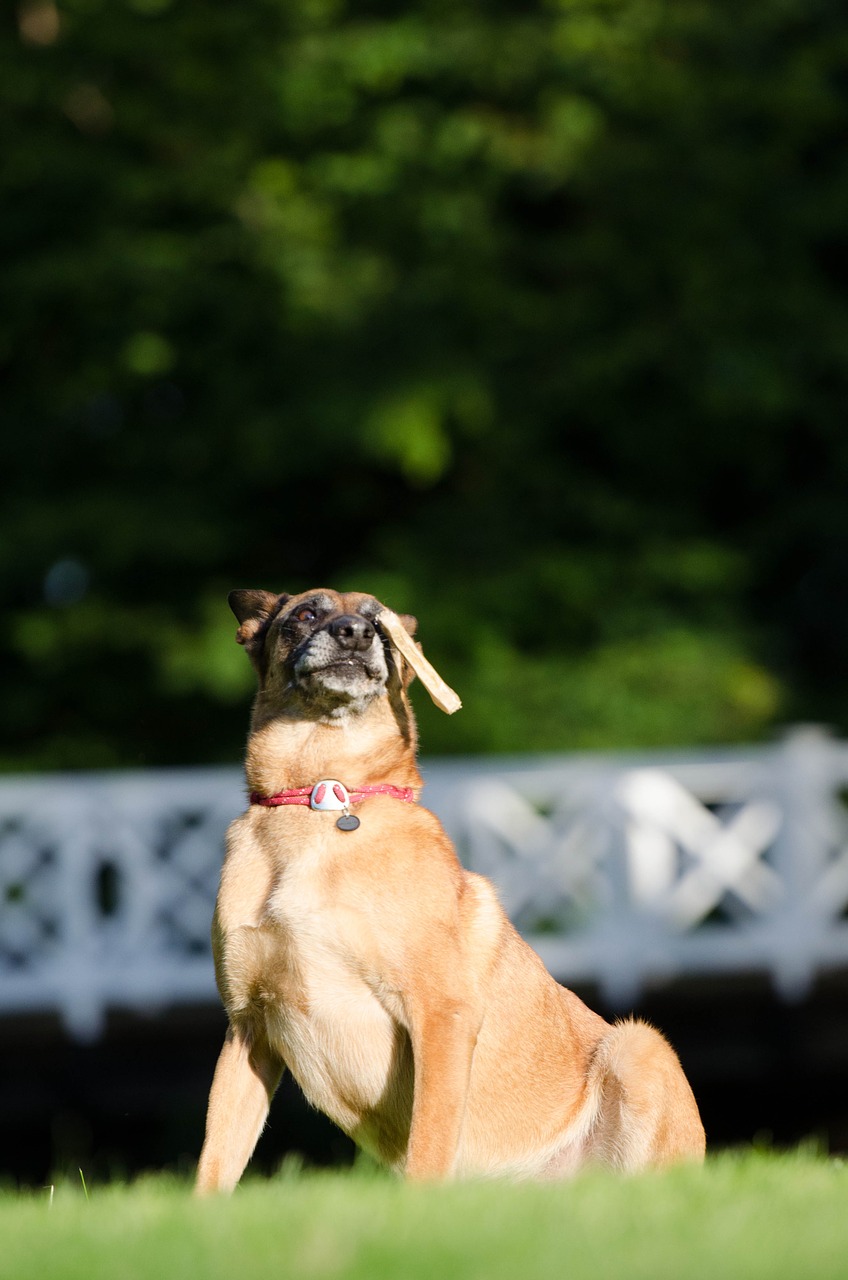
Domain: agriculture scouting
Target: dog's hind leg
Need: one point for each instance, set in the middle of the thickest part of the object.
(645, 1112)
(245, 1081)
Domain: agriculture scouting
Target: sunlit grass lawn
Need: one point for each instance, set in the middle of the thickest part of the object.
(752, 1215)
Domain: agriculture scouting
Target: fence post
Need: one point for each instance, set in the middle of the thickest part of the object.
(802, 783)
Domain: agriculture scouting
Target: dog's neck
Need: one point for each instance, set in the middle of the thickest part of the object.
(375, 745)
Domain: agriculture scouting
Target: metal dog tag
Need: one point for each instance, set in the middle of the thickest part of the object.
(347, 822)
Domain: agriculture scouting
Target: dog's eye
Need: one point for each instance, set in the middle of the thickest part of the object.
(306, 615)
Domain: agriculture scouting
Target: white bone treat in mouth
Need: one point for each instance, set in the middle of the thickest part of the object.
(444, 697)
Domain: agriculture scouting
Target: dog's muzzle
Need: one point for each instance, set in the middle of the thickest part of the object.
(347, 651)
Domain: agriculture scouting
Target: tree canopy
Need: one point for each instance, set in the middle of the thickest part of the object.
(530, 319)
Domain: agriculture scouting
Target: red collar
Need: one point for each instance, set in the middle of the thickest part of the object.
(328, 793)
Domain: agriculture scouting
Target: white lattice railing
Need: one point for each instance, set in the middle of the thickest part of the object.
(621, 871)
(107, 883)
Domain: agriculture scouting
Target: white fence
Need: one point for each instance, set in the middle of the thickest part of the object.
(625, 871)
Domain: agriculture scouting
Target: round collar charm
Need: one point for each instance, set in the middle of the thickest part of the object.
(329, 794)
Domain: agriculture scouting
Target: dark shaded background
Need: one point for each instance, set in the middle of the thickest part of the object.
(531, 319)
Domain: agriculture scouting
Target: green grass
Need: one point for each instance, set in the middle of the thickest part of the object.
(752, 1215)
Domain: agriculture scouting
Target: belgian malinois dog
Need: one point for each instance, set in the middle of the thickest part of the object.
(352, 947)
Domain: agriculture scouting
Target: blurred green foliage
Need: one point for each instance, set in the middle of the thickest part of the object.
(529, 318)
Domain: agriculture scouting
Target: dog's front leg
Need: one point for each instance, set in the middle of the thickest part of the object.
(443, 1041)
(245, 1081)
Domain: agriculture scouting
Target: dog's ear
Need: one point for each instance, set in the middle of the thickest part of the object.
(408, 671)
(410, 624)
(254, 610)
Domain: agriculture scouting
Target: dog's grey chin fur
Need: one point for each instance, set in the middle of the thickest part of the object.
(340, 688)
(323, 660)
(331, 694)
(351, 679)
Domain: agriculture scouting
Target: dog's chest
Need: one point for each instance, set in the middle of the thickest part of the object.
(327, 1009)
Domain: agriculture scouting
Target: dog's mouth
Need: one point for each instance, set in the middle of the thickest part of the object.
(333, 673)
(345, 670)
(354, 666)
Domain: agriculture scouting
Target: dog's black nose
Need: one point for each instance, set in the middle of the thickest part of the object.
(352, 632)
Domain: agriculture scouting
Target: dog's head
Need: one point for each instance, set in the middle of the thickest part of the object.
(320, 652)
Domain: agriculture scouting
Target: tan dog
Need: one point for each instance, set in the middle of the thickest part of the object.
(363, 957)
